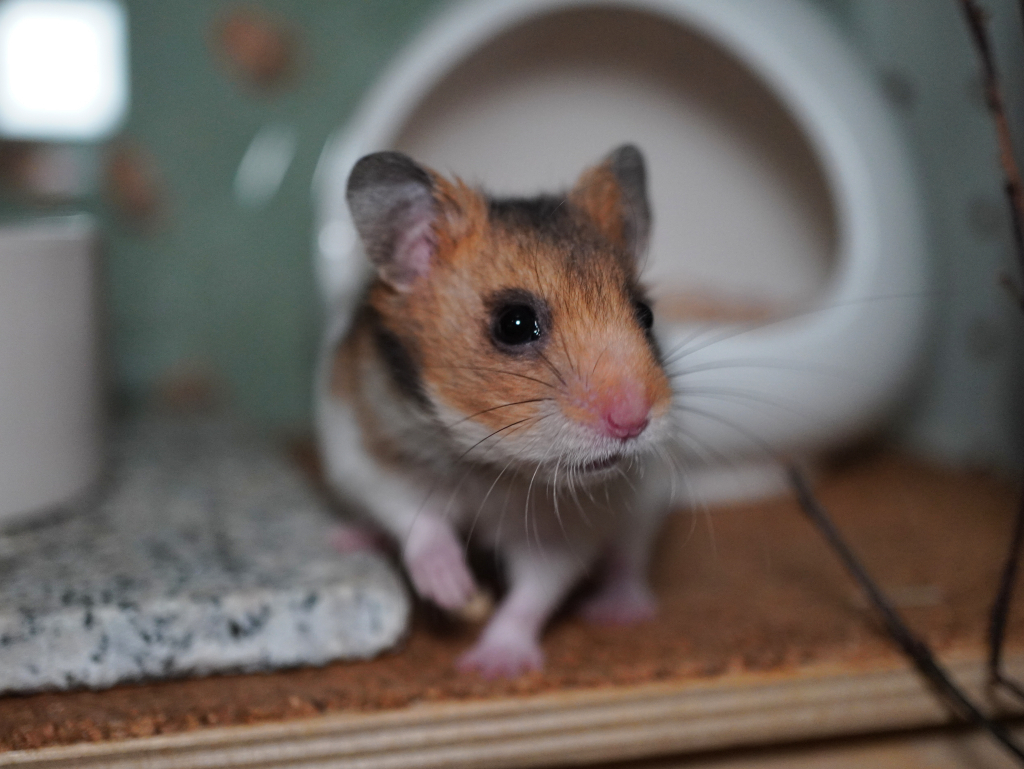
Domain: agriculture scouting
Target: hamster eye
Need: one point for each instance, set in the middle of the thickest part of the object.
(516, 324)
(644, 315)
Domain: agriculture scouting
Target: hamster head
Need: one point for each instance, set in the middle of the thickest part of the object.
(518, 327)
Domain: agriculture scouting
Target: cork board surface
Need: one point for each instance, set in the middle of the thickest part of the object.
(748, 588)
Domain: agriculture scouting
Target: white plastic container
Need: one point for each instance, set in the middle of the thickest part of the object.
(51, 426)
(777, 177)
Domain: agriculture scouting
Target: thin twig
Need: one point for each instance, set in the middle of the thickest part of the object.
(1020, 8)
(916, 649)
(977, 23)
(1001, 607)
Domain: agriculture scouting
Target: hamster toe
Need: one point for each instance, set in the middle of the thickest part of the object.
(353, 538)
(494, 658)
(625, 602)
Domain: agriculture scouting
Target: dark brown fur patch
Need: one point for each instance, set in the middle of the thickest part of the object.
(399, 361)
(355, 358)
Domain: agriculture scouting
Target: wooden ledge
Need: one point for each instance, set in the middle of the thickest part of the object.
(574, 727)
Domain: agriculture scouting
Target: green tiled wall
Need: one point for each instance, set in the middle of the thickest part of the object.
(219, 286)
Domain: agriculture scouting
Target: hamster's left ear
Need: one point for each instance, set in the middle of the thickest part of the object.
(407, 215)
(392, 204)
(614, 195)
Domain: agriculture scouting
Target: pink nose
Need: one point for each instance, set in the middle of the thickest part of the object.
(626, 413)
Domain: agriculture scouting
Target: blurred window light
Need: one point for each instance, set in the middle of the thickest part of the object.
(264, 165)
(63, 69)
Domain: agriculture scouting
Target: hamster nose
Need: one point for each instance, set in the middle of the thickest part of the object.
(626, 413)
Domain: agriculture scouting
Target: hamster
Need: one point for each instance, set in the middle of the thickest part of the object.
(501, 382)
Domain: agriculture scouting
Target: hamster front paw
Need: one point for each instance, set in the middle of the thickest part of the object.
(436, 562)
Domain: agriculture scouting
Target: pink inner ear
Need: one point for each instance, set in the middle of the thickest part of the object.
(414, 245)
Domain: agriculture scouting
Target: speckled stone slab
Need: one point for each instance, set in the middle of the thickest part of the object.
(205, 552)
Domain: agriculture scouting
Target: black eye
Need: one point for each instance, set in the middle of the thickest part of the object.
(644, 315)
(516, 324)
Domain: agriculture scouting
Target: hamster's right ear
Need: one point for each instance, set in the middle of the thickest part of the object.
(614, 195)
(393, 206)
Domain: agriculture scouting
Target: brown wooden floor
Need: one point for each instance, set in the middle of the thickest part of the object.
(748, 588)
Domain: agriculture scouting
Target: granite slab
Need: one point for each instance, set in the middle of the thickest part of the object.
(205, 551)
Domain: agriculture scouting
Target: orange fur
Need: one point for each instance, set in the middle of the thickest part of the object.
(598, 195)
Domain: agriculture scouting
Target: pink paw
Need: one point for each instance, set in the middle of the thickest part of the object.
(353, 538)
(621, 603)
(502, 658)
(438, 570)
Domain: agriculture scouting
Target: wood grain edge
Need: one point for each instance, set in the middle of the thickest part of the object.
(571, 727)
